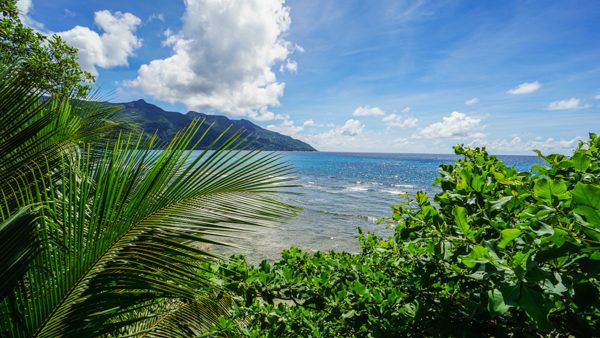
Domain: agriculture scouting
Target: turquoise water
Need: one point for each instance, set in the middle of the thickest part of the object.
(343, 191)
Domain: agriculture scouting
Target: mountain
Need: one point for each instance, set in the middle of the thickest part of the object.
(153, 118)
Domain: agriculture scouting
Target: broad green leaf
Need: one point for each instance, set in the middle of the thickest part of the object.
(499, 204)
(536, 307)
(477, 183)
(460, 218)
(479, 255)
(421, 197)
(510, 294)
(546, 188)
(559, 237)
(520, 258)
(586, 199)
(507, 236)
(580, 161)
(591, 215)
(496, 304)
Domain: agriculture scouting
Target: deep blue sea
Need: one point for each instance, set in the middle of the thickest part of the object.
(343, 191)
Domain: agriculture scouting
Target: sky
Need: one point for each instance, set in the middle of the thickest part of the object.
(362, 76)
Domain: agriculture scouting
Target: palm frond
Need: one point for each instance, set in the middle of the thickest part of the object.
(175, 318)
(19, 246)
(123, 229)
(36, 130)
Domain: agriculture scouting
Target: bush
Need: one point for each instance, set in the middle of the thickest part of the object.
(496, 252)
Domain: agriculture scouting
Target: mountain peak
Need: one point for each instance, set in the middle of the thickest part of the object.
(153, 118)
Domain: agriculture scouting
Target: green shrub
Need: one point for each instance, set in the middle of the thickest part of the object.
(496, 252)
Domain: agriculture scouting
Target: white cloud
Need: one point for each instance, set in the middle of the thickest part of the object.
(471, 101)
(288, 127)
(516, 144)
(393, 120)
(597, 97)
(112, 48)
(156, 17)
(24, 7)
(223, 57)
(263, 114)
(406, 110)
(338, 136)
(571, 103)
(403, 141)
(525, 88)
(289, 65)
(352, 127)
(368, 111)
(456, 125)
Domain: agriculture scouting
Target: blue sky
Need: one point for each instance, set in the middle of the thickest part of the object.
(384, 76)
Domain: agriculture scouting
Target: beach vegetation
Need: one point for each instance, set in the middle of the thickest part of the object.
(496, 252)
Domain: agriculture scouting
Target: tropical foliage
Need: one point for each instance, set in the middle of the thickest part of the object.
(101, 234)
(45, 60)
(496, 252)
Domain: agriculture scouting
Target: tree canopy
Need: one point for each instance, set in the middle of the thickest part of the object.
(45, 60)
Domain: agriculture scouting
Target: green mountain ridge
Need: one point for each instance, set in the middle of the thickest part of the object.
(166, 124)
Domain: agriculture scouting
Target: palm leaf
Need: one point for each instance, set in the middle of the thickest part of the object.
(175, 318)
(19, 246)
(123, 229)
(41, 131)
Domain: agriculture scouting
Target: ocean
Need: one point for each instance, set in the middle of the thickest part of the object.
(343, 191)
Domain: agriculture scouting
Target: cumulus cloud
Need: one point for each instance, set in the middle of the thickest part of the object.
(525, 88)
(368, 111)
(288, 127)
(338, 136)
(223, 57)
(290, 65)
(516, 144)
(309, 123)
(351, 127)
(109, 49)
(24, 7)
(393, 120)
(263, 114)
(471, 101)
(571, 103)
(406, 110)
(456, 125)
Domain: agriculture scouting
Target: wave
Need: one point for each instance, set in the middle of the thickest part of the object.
(368, 183)
(405, 186)
(393, 191)
(360, 187)
(369, 219)
(356, 188)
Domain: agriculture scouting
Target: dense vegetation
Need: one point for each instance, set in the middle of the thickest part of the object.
(496, 252)
(47, 61)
